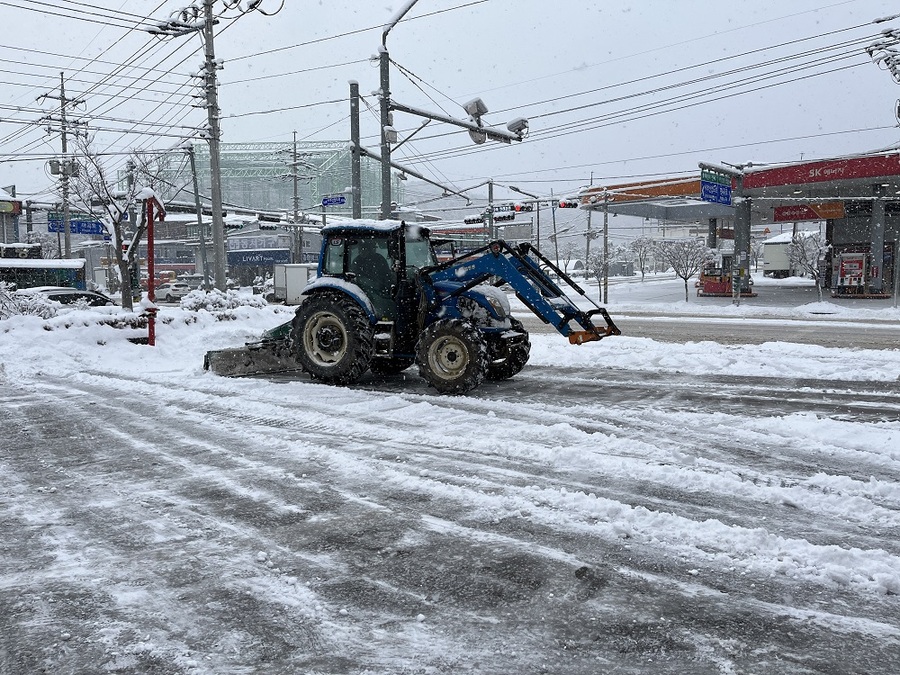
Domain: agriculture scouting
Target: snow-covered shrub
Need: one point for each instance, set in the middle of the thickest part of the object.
(32, 304)
(215, 301)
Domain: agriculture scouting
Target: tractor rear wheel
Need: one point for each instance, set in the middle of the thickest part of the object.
(332, 338)
(452, 356)
(516, 356)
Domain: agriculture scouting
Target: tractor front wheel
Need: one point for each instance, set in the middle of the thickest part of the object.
(332, 338)
(452, 356)
(516, 355)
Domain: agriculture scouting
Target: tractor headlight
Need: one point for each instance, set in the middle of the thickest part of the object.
(501, 309)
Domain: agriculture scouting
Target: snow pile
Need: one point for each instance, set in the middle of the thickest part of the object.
(218, 302)
(31, 304)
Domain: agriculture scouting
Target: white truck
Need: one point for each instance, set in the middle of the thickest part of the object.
(290, 280)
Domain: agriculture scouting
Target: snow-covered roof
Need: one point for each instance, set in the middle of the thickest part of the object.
(787, 237)
(54, 263)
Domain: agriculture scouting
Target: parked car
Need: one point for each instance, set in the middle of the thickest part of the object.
(172, 291)
(195, 281)
(69, 296)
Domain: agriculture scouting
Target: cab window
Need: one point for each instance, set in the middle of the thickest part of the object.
(419, 253)
(334, 256)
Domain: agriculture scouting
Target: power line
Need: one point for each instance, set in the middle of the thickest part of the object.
(355, 32)
(105, 19)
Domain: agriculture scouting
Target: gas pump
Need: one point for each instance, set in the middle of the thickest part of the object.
(852, 273)
(716, 279)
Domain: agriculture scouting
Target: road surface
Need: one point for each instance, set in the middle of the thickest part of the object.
(571, 521)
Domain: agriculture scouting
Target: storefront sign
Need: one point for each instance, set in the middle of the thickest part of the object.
(801, 212)
(265, 257)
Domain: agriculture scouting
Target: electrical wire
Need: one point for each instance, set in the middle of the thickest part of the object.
(77, 15)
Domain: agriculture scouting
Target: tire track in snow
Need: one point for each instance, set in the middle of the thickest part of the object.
(566, 521)
(494, 473)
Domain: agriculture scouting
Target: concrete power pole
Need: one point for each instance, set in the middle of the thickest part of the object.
(66, 166)
(355, 167)
(204, 263)
(295, 175)
(66, 170)
(386, 128)
(492, 234)
(215, 168)
(605, 248)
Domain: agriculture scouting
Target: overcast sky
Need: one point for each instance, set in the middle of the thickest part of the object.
(604, 85)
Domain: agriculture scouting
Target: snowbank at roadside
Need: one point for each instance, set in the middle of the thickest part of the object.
(78, 339)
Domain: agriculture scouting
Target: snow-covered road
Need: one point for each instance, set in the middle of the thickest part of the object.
(620, 507)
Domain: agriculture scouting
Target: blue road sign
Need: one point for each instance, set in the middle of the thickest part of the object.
(77, 226)
(334, 200)
(715, 192)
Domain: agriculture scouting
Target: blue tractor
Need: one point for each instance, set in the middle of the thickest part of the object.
(382, 301)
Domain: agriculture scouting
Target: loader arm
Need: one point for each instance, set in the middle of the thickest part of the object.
(532, 285)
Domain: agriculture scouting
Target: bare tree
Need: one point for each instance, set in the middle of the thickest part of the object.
(596, 265)
(94, 185)
(686, 257)
(568, 251)
(806, 252)
(642, 248)
(49, 243)
(757, 249)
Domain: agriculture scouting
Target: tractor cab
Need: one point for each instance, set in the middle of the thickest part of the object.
(381, 258)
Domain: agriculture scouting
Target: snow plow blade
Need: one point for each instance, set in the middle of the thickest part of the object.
(254, 358)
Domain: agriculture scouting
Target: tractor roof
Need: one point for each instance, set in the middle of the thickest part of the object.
(363, 224)
(367, 225)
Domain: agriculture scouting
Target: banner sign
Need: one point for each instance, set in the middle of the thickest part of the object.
(267, 257)
(830, 170)
(800, 212)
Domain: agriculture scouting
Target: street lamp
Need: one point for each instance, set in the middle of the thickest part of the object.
(516, 130)
(537, 205)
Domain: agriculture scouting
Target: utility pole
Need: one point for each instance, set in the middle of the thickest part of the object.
(587, 241)
(215, 168)
(587, 238)
(203, 260)
(605, 247)
(386, 129)
(66, 166)
(355, 158)
(295, 174)
(553, 205)
(67, 225)
(185, 22)
(515, 130)
(388, 135)
(490, 211)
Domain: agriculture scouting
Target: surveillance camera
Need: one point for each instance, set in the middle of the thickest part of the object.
(518, 125)
(476, 108)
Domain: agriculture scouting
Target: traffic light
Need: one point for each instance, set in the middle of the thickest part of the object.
(234, 226)
(473, 220)
(268, 226)
(524, 207)
(503, 217)
(569, 203)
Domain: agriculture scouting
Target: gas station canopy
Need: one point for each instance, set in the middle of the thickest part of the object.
(781, 193)
(674, 199)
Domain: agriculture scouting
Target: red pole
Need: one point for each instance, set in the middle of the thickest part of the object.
(151, 291)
